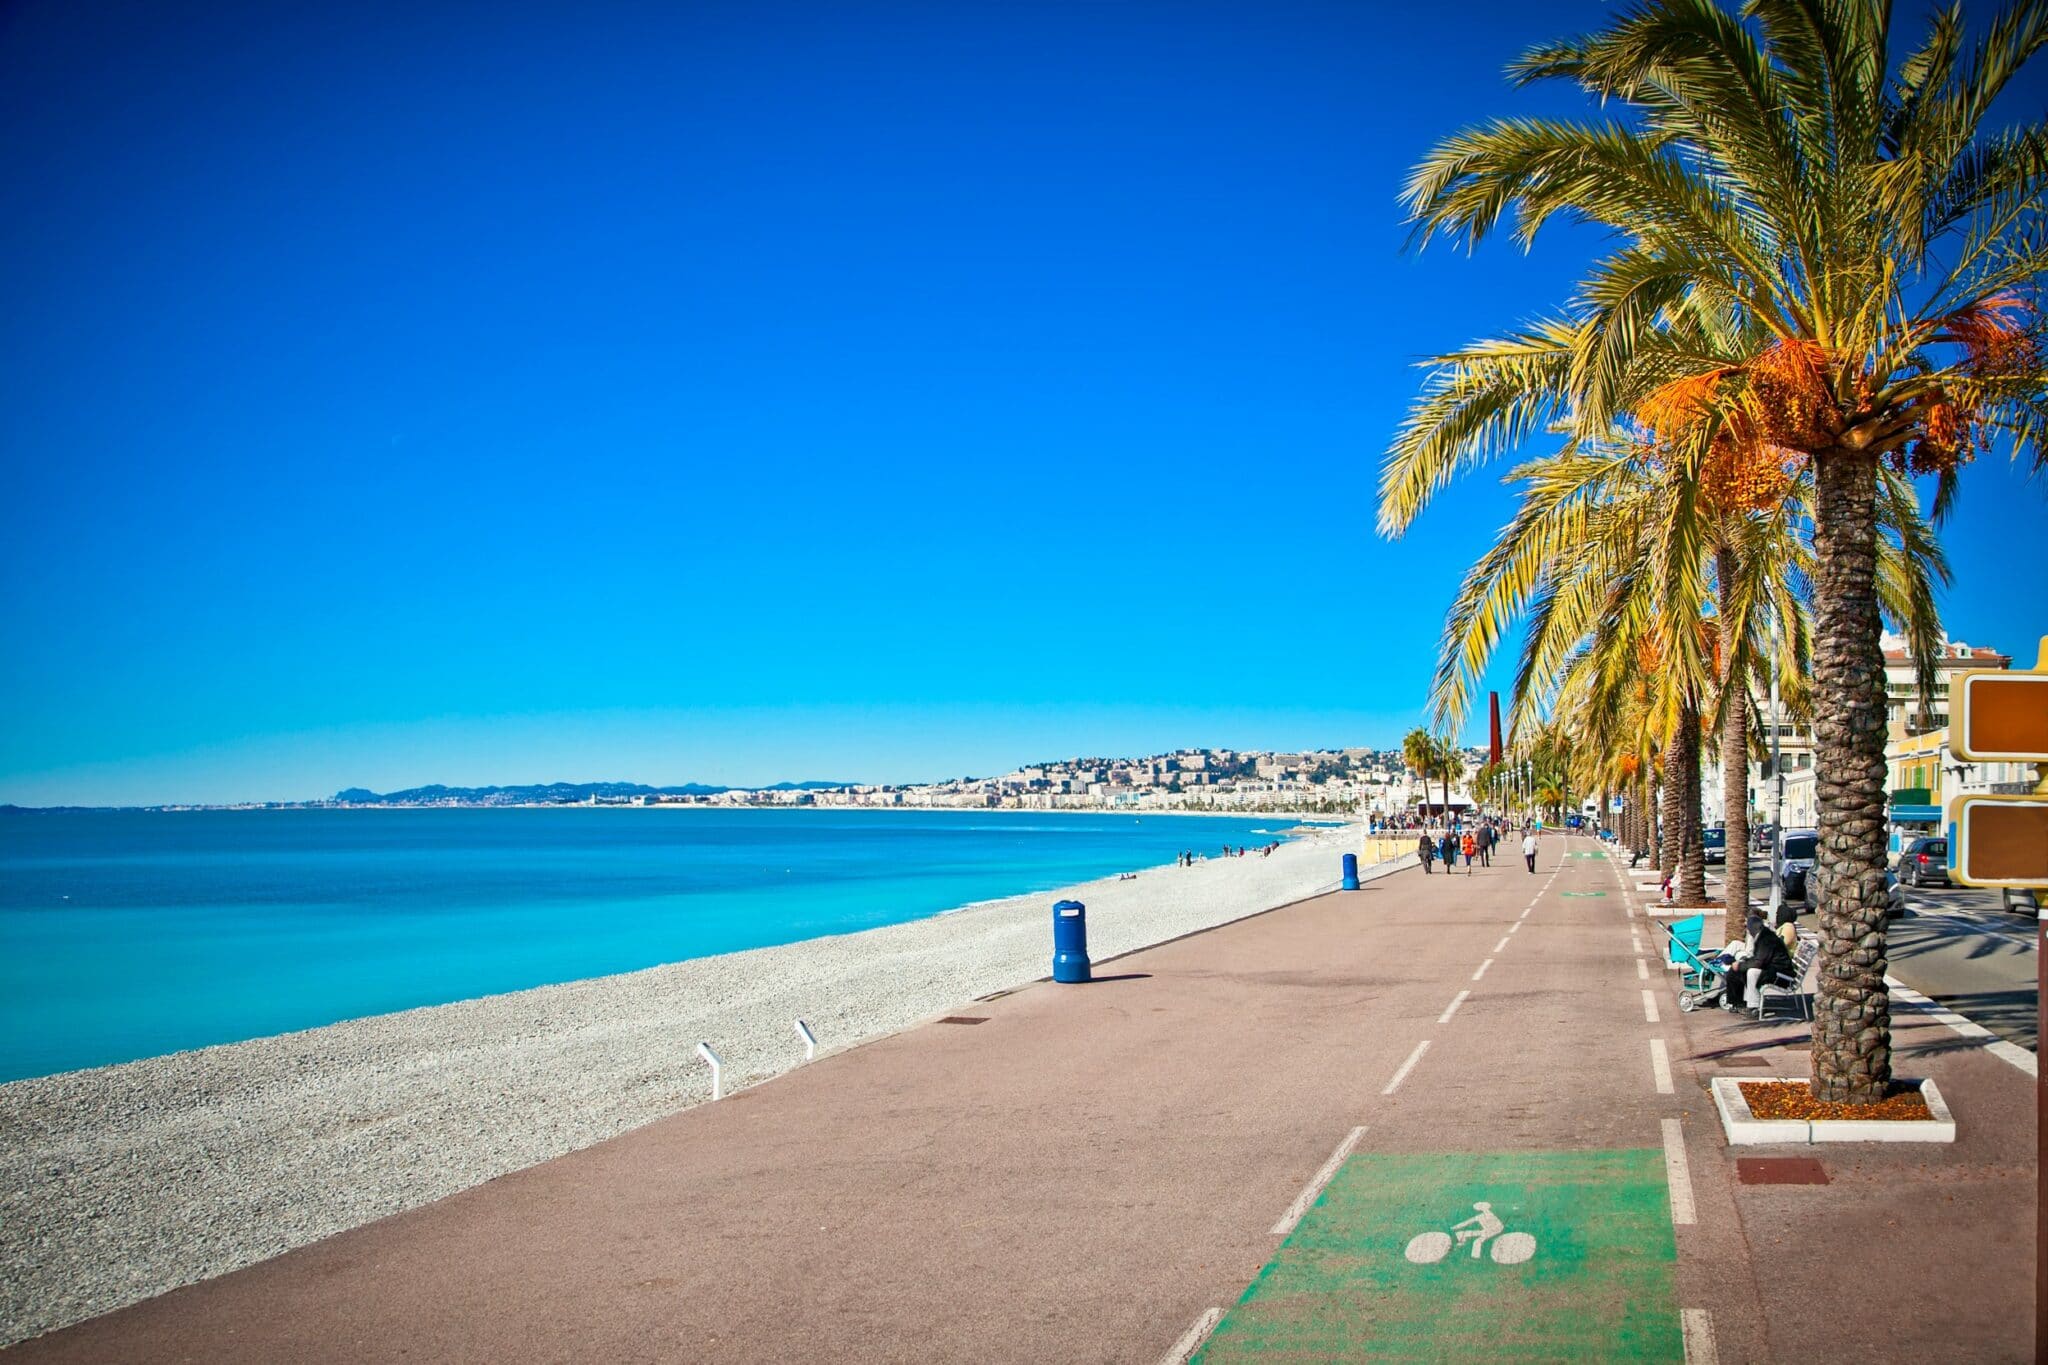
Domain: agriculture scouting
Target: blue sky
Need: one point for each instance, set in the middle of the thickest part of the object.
(471, 393)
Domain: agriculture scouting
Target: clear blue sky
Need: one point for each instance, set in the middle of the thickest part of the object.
(470, 393)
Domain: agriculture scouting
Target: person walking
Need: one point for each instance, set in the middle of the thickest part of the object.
(1470, 848)
(1447, 849)
(1487, 839)
(1425, 848)
(1529, 849)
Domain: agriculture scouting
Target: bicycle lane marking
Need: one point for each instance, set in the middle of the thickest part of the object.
(1452, 1256)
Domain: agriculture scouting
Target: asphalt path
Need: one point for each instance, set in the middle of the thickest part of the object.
(1071, 1173)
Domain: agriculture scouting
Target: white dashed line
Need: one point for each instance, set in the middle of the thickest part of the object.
(1660, 1066)
(1482, 969)
(1512, 927)
(1677, 1173)
(1192, 1340)
(1321, 1178)
(1698, 1328)
(1650, 1007)
(1642, 970)
(1525, 913)
(1406, 1067)
(1501, 946)
(1445, 1017)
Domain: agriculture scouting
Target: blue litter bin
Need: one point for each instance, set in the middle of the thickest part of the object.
(1070, 941)
(1351, 872)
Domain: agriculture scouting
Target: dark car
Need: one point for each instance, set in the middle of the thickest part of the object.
(1894, 896)
(1923, 862)
(1715, 837)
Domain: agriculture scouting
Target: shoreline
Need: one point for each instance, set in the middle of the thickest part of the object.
(125, 1181)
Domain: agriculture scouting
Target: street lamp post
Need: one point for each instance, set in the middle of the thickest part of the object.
(1778, 782)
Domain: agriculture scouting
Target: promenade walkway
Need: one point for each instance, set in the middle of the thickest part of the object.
(1263, 1141)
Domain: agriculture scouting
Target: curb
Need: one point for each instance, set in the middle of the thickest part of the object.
(1744, 1129)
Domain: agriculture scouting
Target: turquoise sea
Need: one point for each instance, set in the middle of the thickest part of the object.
(128, 934)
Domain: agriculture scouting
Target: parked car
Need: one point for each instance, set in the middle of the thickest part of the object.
(2020, 901)
(1797, 849)
(1715, 837)
(1894, 896)
(1923, 862)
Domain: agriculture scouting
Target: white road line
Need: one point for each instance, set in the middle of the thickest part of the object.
(1512, 927)
(1650, 1007)
(1406, 1067)
(1660, 1066)
(2011, 1053)
(1642, 969)
(1501, 946)
(1482, 969)
(1525, 913)
(1636, 939)
(1698, 1327)
(1321, 1178)
(1677, 1174)
(1191, 1340)
(1458, 1000)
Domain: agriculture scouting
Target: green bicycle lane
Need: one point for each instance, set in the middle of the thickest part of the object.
(1547, 1233)
(1396, 1262)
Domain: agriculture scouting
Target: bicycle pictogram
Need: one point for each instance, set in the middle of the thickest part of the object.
(1508, 1248)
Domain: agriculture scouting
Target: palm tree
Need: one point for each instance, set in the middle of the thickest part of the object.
(1428, 756)
(1771, 168)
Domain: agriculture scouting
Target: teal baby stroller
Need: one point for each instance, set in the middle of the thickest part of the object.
(1701, 980)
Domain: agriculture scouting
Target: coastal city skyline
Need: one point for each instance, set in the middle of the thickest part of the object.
(711, 394)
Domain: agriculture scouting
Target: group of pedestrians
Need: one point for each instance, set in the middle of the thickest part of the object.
(1475, 846)
(1187, 859)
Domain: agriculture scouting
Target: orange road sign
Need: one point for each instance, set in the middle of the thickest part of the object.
(1999, 840)
(2000, 716)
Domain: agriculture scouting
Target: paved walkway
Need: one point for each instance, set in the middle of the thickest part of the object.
(1253, 1141)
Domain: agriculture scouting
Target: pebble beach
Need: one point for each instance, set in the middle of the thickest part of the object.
(122, 1182)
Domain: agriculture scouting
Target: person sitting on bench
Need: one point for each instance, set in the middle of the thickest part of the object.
(1759, 958)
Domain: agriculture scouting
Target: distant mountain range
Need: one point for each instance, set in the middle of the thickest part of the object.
(551, 793)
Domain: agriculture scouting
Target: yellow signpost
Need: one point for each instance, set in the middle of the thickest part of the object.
(1997, 716)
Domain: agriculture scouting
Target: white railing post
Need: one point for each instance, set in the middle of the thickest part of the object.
(717, 1070)
(810, 1039)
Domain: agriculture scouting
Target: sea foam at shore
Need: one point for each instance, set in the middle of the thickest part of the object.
(123, 1182)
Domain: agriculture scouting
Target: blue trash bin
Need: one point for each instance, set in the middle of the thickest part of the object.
(1070, 941)
(1351, 872)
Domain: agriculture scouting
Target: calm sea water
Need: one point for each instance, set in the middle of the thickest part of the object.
(128, 934)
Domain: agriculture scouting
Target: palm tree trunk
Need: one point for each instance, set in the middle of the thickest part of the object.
(1667, 817)
(1852, 1045)
(1734, 758)
(1682, 809)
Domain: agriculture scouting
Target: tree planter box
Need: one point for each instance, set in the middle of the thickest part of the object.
(1744, 1129)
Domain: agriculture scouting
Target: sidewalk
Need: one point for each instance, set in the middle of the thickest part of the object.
(1248, 1141)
